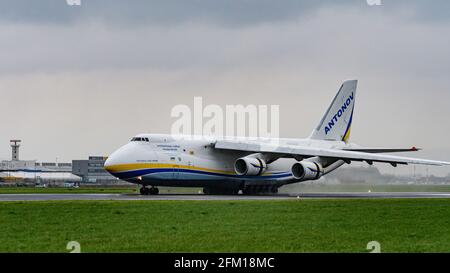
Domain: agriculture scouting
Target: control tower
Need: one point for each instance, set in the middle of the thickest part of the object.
(15, 144)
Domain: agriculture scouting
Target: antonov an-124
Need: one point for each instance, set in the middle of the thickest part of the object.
(229, 165)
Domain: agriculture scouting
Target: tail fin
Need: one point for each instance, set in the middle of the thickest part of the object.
(337, 121)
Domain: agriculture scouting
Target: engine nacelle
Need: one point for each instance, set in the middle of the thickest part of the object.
(250, 166)
(306, 170)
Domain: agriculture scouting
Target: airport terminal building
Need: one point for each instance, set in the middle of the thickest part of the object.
(91, 170)
(88, 171)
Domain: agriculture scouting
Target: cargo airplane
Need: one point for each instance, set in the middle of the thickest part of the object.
(228, 165)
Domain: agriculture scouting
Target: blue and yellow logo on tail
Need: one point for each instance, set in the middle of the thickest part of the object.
(335, 125)
(346, 136)
(334, 121)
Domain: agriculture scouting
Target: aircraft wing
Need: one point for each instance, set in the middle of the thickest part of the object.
(305, 152)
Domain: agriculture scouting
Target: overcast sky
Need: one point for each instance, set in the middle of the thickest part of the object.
(82, 80)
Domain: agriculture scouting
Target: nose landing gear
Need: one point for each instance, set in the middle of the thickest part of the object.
(149, 191)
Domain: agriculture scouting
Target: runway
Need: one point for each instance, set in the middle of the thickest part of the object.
(201, 197)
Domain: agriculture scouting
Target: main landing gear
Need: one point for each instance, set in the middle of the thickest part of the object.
(258, 190)
(146, 191)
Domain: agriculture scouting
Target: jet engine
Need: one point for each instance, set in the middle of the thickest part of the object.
(306, 170)
(248, 165)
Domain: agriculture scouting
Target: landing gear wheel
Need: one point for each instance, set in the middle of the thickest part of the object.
(144, 191)
(259, 190)
(154, 191)
(274, 189)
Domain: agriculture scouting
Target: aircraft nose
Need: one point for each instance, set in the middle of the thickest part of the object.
(109, 164)
(124, 155)
(113, 160)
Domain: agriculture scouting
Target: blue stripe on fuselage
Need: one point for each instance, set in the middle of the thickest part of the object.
(137, 173)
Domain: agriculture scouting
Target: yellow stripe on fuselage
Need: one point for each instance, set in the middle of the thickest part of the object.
(143, 166)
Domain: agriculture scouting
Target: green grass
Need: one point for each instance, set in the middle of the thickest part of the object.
(400, 225)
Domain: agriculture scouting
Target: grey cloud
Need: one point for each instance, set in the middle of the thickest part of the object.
(72, 77)
(422, 10)
(156, 12)
(227, 12)
(358, 39)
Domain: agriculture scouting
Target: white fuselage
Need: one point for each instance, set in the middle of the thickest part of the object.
(187, 161)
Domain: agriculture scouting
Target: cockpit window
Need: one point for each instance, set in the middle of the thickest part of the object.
(140, 139)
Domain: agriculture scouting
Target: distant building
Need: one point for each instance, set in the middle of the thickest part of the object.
(92, 170)
(54, 167)
(16, 165)
(16, 169)
(15, 145)
(80, 168)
